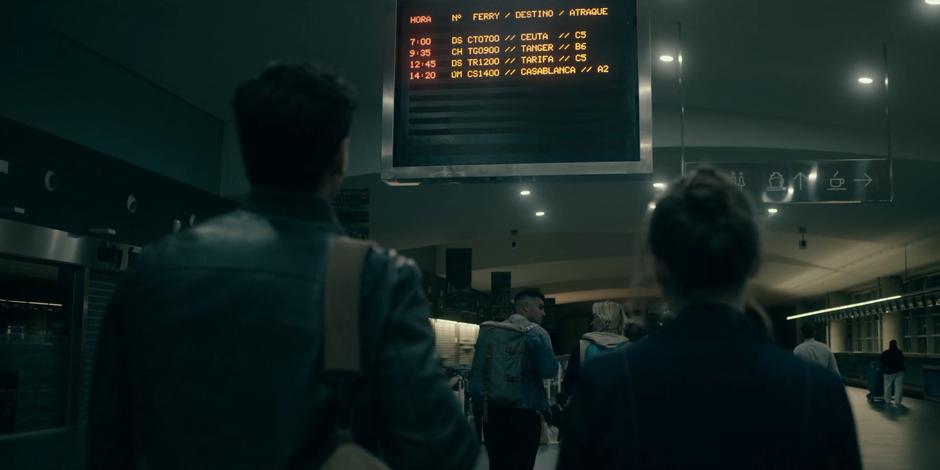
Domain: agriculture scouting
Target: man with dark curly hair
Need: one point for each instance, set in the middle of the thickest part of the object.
(212, 352)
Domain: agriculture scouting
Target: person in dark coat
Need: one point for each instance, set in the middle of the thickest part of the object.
(892, 365)
(709, 389)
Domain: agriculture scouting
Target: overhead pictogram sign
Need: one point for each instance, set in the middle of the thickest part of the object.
(810, 181)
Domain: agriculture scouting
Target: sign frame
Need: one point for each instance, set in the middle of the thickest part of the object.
(395, 176)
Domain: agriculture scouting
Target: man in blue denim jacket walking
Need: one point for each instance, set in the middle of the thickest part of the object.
(512, 434)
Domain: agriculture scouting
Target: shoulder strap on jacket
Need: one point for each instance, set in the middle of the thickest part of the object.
(341, 334)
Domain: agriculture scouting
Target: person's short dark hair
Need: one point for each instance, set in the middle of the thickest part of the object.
(893, 344)
(809, 330)
(528, 294)
(703, 230)
(291, 121)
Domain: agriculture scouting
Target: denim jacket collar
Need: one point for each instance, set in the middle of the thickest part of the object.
(296, 204)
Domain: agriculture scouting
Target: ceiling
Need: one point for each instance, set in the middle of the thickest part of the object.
(760, 77)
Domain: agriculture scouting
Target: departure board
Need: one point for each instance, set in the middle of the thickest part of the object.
(516, 87)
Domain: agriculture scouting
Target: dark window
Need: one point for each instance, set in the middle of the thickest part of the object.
(35, 346)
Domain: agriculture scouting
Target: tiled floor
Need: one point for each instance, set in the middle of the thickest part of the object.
(905, 438)
(897, 438)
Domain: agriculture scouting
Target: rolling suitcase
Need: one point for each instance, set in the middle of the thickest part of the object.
(876, 382)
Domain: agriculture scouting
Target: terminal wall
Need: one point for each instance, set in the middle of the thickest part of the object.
(54, 83)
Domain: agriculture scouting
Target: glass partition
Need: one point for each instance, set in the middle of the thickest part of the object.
(35, 346)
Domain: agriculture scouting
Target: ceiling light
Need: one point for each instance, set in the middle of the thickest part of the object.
(652, 206)
(865, 80)
(540, 214)
(843, 307)
(932, 2)
(525, 192)
(659, 185)
(667, 58)
(772, 211)
(31, 302)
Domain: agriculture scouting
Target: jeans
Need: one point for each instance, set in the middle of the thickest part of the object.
(897, 381)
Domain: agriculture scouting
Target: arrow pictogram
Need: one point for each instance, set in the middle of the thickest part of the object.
(800, 178)
(867, 180)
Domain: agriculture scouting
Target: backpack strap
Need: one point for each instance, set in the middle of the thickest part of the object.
(342, 357)
(341, 333)
(583, 345)
(342, 354)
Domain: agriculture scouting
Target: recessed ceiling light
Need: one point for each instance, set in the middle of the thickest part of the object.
(652, 206)
(932, 2)
(540, 214)
(772, 210)
(667, 58)
(659, 185)
(865, 80)
(525, 192)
